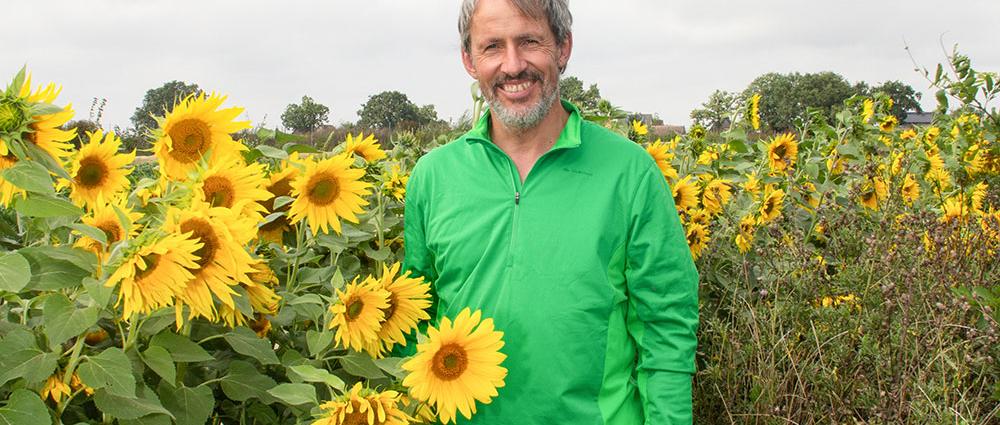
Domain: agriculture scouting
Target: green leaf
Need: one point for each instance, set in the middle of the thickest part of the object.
(36, 153)
(309, 373)
(392, 366)
(159, 360)
(15, 85)
(181, 349)
(359, 364)
(46, 206)
(33, 365)
(282, 201)
(30, 176)
(318, 341)
(154, 419)
(100, 293)
(15, 272)
(129, 407)
(245, 342)
(49, 272)
(191, 406)
(110, 370)
(294, 394)
(272, 152)
(24, 408)
(90, 232)
(244, 382)
(63, 320)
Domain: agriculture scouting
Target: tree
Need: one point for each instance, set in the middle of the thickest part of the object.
(306, 116)
(786, 97)
(571, 89)
(157, 101)
(904, 97)
(716, 110)
(389, 109)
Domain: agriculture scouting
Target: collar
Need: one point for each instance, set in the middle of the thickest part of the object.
(568, 138)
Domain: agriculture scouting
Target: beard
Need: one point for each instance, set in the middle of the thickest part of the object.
(534, 113)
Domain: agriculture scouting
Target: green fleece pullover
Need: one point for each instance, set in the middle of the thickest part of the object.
(584, 266)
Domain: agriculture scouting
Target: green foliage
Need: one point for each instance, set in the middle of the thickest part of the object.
(392, 109)
(786, 97)
(159, 100)
(571, 89)
(305, 116)
(714, 113)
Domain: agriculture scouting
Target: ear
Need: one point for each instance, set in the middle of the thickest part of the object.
(469, 66)
(565, 51)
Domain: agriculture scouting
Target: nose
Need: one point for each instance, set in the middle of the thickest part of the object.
(513, 62)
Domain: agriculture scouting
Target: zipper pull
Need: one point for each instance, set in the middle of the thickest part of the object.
(517, 198)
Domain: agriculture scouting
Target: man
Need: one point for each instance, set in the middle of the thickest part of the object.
(561, 231)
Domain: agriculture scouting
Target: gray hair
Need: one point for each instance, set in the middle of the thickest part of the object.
(556, 12)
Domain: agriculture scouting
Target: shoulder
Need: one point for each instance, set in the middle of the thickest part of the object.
(615, 148)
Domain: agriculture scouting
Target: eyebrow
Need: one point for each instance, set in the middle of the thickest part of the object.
(519, 37)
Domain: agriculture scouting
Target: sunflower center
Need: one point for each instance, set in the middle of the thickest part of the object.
(449, 362)
(92, 173)
(322, 189)
(151, 261)
(389, 311)
(111, 231)
(191, 138)
(219, 191)
(357, 417)
(202, 231)
(354, 308)
(780, 151)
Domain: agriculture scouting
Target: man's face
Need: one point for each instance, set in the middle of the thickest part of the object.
(516, 60)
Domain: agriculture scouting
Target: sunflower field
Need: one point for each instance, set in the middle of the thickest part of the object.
(848, 270)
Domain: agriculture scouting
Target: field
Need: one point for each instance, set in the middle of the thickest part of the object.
(848, 268)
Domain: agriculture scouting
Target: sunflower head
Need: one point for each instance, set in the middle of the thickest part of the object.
(408, 300)
(98, 171)
(365, 147)
(716, 194)
(233, 184)
(326, 192)
(697, 238)
(888, 123)
(685, 193)
(195, 130)
(458, 365)
(782, 153)
(154, 274)
(364, 406)
(754, 111)
(359, 312)
(662, 154)
(867, 110)
(770, 207)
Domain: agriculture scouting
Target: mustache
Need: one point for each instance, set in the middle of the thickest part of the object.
(523, 75)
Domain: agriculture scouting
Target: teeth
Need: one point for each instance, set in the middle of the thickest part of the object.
(511, 88)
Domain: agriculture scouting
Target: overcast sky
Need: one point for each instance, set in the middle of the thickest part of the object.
(653, 56)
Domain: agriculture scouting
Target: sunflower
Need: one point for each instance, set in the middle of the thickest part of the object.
(699, 215)
(98, 170)
(661, 153)
(104, 218)
(280, 185)
(234, 185)
(931, 136)
(782, 152)
(770, 207)
(327, 191)
(365, 147)
(458, 365)
(193, 128)
(978, 196)
(153, 275)
(409, 299)
(639, 129)
(953, 209)
(810, 196)
(263, 300)
(362, 406)
(45, 129)
(755, 111)
(77, 385)
(395, 183)
(888, 123)
(55, 388)
(867, 110)
(685, 194)
(911, 190)
(874, 193)
(697, 238)
(708, 156)
(716, 195)
(752, 185)
(744, 238)
(358, 313)
(222, 261)
(698, 132)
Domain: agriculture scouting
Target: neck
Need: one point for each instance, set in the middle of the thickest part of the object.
(533, 141)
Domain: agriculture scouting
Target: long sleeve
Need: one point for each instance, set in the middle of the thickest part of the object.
(663, 303)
